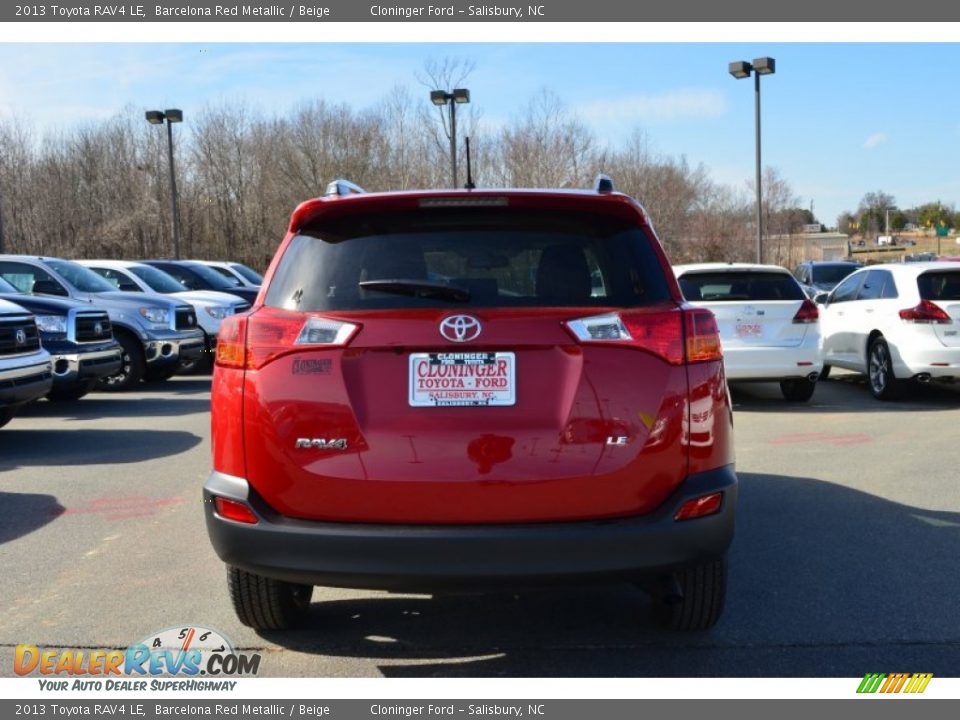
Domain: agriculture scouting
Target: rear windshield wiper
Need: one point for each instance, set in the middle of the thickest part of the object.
(418, 288)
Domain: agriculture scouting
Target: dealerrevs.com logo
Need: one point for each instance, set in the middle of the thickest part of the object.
(189, 652)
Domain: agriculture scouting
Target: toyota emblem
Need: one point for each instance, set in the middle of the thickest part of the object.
(21, 337)
(98, 329)
(460, 328)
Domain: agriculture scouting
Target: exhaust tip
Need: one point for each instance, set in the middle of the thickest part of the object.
(923, 378)
(813, 377)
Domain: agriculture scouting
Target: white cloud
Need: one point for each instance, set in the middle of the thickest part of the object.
(875, 140)
(683, 104)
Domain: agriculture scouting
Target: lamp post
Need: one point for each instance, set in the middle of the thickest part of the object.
(155, 117)
(741, 70)
(440, 98)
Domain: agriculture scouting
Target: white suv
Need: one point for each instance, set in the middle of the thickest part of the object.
(768, 327)
(894, 323)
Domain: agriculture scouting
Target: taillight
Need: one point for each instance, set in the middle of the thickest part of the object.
(272, 333)
(234, 510)
(703, 336)
(658, 331)
(808, 312)
(231, 342)
(926, 312)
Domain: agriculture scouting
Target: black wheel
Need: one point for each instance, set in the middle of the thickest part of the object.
(69, 394)
(160, 374)
(6, 415)
(883, 383)
(797, 389)
(825, 373)
(132, 366)
(703, 589)
(267, 604)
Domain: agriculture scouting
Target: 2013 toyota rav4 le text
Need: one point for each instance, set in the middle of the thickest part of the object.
(452, 390)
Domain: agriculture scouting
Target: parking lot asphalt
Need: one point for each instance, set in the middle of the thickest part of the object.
(845, 559)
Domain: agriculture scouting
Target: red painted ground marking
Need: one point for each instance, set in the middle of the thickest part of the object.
(821, 437)
(124, 508)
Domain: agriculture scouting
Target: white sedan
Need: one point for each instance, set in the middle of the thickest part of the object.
(769, 329)
(894, 323)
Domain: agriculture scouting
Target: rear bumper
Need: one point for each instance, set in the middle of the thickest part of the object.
(436, 557)
(773, 363)
(937, 361)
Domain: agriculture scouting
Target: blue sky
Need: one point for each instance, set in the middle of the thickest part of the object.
(839, 119)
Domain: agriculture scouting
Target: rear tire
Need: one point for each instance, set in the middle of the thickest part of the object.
(825, 373)
(798, 389)
(704, 589)
(880, 377)
(267, 604)
(132, 366)
(6, 415)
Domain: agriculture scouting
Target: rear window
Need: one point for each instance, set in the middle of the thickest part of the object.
(831, 273)
(943, 285)
(451, 257)
(734, 286)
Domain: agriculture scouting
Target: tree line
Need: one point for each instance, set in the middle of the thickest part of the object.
(102, 189)
(878, 213)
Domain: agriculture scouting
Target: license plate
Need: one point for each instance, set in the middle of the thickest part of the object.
(462, 379)
(748, 330)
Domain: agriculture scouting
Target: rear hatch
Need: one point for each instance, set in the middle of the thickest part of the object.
(754, 308)
(424, 366)
(942, 288)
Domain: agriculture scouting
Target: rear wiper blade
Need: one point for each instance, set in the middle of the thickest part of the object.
(418, 288)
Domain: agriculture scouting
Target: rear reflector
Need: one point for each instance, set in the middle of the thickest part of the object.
(808, 312)
(926, 312)
(233, 510)
(700, 507)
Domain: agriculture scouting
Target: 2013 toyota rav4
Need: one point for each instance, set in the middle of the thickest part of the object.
(467, 390)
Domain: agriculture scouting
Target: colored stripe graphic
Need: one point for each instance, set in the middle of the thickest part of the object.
(894, 683)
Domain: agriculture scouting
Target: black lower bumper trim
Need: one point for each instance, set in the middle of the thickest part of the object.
(437, 557)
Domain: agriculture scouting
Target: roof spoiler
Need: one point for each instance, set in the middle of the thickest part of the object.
(603, 184)
(340, 187)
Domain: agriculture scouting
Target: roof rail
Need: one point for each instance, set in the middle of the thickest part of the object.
(603, 184)
(342, 187)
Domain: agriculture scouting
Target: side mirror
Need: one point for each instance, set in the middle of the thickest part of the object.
(48, 287)
(821, 298)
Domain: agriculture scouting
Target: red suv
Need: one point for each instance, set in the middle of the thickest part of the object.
(470, 389)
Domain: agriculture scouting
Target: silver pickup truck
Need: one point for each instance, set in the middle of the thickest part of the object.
(156, 333)
(25, 369)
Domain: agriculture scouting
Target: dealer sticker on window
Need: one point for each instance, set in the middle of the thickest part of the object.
(450, 379)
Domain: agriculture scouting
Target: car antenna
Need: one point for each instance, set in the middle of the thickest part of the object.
(469, 185)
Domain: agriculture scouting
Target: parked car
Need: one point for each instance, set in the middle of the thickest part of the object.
(210, 306)
(768, 326)
(816, 276)
(25, 370)
(155, 333)
(514, 424)
(197, 276)
(246, 276)
(78, 337)
(895, 323)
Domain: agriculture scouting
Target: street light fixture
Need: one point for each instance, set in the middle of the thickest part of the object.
(156, 117)
(459, 96)
(741, 70)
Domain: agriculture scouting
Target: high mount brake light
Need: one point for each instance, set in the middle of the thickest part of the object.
(658, 331)
(808, 312)
(252, 342)
(926, 312)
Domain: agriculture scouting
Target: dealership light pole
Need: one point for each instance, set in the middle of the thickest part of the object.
(458, 97)
(155, 117)
(741, 70)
